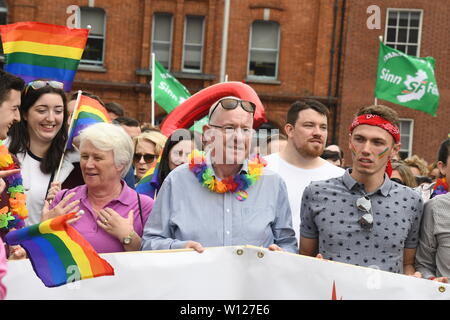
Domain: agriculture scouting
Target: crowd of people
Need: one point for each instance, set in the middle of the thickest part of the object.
(216, 189)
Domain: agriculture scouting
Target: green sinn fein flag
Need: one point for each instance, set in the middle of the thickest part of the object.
(169, 92)
(406, 80)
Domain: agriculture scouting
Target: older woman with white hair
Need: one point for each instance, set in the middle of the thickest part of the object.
(115, 214)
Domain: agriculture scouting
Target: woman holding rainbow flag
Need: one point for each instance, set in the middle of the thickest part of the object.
(38, 141)
(115, 214)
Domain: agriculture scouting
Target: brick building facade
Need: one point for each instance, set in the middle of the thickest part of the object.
(320, 48)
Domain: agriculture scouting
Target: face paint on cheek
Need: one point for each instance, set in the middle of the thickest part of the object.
(382, 154)
(352, 149)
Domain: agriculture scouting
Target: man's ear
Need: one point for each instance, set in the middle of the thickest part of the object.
(289, 129)
(395, 150)
(208, 135)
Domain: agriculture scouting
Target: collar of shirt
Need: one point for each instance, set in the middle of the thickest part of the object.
(244, 167)
(350, 183)
(126, 196)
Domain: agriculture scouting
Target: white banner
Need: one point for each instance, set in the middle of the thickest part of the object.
(226, 273)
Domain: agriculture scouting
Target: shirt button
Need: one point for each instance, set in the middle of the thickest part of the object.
(228, 210)
(228, 232)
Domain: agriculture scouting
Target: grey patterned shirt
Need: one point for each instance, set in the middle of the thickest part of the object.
(329, 214)
(433, 252)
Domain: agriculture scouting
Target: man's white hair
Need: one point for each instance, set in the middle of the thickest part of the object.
(110, 137)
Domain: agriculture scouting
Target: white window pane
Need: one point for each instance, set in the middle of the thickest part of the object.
(414, 19)
(391, 33)
(263, 63)
(392, 18)
(162, 53)
(403, 19)
(192, 57)
(405, 142)
(264, 35)
(3, 16)
(405, 127)
(263, 56)
(402, 35)
(162, 27)
(413, 35)
(194, 30)
(412, 50)
(94, 17)
(402, 48)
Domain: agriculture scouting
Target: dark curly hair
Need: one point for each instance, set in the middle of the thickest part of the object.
(20, 138)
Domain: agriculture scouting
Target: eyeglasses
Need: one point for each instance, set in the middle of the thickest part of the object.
(148, 158)
(397, 180)
(232, 103)
(229, 130)
(39, 84)
(366, 221)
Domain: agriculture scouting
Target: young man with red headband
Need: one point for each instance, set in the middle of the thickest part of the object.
(364, 218)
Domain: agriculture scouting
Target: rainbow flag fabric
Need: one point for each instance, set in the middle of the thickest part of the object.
(35, 50)
(58, 253)
(149, 183)
(88, 112)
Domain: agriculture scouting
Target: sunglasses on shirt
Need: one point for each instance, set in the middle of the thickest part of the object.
(232, 103)
(364, 205)
(39, 84)
(397, 180)
(148, 158)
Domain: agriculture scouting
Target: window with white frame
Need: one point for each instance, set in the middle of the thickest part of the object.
(95, 47)
(3, 19)
(406, 137)
(264, 50)
(162, 38)
(403, 30)
(193, 44)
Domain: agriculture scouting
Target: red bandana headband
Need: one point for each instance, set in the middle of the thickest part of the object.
(374, 120)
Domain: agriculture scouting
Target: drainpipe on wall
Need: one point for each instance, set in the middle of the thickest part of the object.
(330, 77)
(338, 71)
(223, 56)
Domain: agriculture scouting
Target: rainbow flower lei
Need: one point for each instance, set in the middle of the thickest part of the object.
(238, 183)
(441, 187)
(12, 217)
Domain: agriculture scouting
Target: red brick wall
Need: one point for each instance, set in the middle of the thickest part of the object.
(360, 66)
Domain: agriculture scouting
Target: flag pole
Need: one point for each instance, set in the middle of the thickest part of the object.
(153, 89)
(70, 129)
(376, 99)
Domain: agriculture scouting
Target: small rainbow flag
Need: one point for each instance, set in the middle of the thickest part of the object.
(58, 253)
(150, 182)
(89, 111)
(35, 50)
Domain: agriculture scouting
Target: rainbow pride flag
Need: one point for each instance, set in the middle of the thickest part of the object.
(149, 183)
(35, 50)
(87, 112)
(58, 253)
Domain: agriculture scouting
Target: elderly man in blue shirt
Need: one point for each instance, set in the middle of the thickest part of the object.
(222, 198)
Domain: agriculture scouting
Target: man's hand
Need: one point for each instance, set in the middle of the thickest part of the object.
(17, 253)
(194, 245)
(55, 187)
(274, 247)
(4, 174)
(439, 279)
